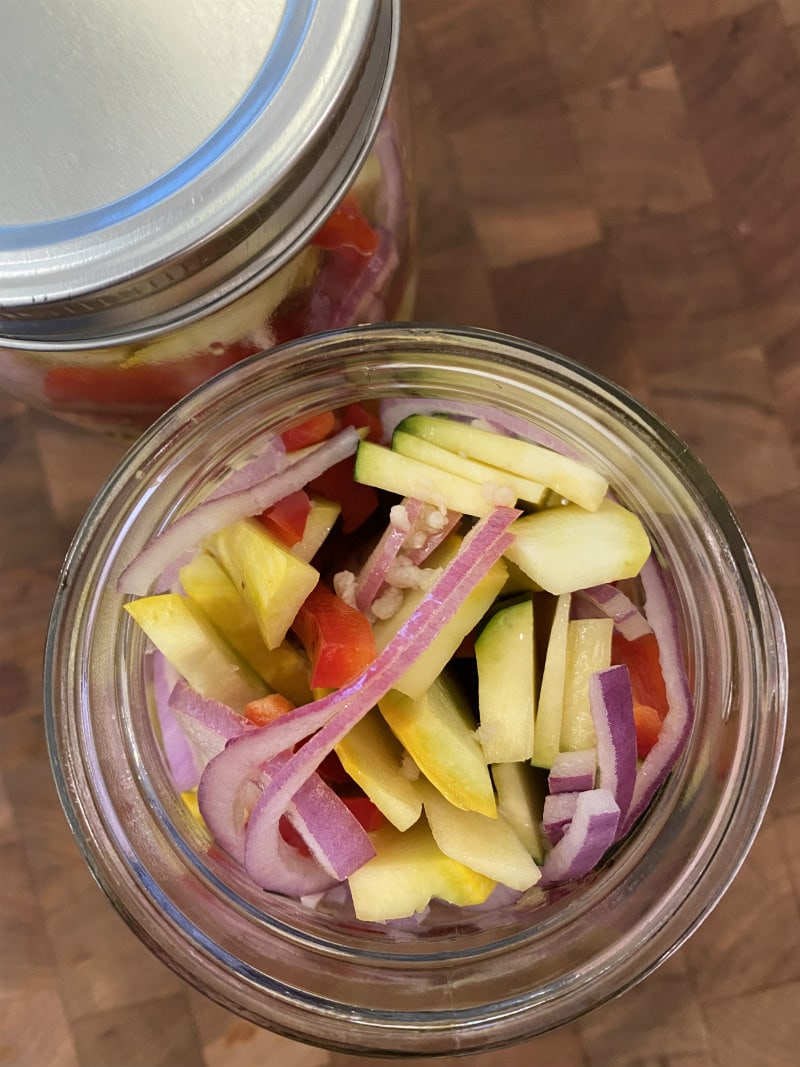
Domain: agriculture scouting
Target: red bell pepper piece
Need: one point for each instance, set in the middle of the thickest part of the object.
(360, 418)
(357, 501)
(156, 385)
(347, 226)
(337, 637)
(370, 817)
(332, 771)
(267, 709)
(648, 726)
(309, 432)
(287, 519)
(641, 659)
(291, 836)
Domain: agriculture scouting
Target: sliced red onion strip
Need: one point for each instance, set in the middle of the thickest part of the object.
(277, 866)
(333, 835)
(372, 575)
(611, 704)
(225, 793)
(182, 761)
(191, 529)
(392, 205)
(677, 724)
(356, 305)
(416, 556)
(170, 578)
(614, 604)
(558, 812)
(207, 724)
(270, 460)
(338, 843)
(573, 771)
(293, 872)
(395, 409)
(588, 837)
(339, 298)
(332, 832)
(223, 786)
(580, 608)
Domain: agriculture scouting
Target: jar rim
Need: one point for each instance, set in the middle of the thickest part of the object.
(720, 821)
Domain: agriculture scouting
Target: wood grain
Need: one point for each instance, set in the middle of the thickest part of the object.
(616, 179)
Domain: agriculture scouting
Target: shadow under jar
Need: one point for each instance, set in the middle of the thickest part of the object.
(456, 981)
(189, 185)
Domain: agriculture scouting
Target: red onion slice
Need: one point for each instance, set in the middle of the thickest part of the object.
(226, 790)
(611, 704)
(677, 724)
(207, 724)
(226, 785)
(336, 840)
(355, 304)
(223, 790)
(278, 867)
(588, 837)
(392, 204)
(191, 529)
(614, 604)
(342, 297)
(558, 812)
(372, 575)
(269, 460)
(418, 555)
(182, 761)
(231, 806)
(573, 771)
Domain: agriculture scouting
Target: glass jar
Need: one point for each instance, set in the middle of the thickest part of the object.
(441, 985)
(191, 184)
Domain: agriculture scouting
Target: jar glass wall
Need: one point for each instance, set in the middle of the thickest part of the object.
(449, 983)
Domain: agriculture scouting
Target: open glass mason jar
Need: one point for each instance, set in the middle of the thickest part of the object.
(454, 981)
(189, 184)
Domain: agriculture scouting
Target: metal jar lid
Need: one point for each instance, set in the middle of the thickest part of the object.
(161, 156)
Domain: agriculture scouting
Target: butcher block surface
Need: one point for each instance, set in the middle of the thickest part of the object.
(615, 179)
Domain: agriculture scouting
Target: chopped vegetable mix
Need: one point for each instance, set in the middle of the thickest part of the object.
(422, 672)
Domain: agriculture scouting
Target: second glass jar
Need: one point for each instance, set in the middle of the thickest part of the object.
(261, 206)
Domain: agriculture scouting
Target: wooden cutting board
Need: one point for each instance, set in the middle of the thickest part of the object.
(615, 179)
